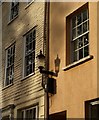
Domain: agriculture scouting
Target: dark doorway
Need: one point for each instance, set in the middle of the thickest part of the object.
(58, 116)
(92, 109)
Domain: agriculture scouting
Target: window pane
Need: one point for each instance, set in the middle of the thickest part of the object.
(74, 33)
(86, 39)
(12, 70)
(85, 16)
(79, 19)
(33, 66)
(79, 30)
(73, 22)
(34, 113)
(27, 39)
(22, 115)
(75, 44)
(29, 60)
(75, 56)
(30, 57)
(13, 49)
(33, 45)
(10, 60)
(85, 27)
(31, 113)
(27, 70)
(29, 48)
(15, 12)
(11, 14)
(8, 53)
(27, 114)
(86, 51)
(29, 64)
(31, 38)
(9, 75)
(80, 42)
(80, 54)
(31, 69)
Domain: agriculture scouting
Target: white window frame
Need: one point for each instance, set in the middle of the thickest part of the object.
(24, 55)
(77, 38)
(31, 108)
(17, 4)
(11, 77)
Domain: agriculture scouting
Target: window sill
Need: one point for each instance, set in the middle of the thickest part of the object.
(12, 19)
(27, 76)
(78, 62)
(5, 87)
(29, 4)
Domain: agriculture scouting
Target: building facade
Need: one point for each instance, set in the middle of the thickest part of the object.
(66, 29)
(73, 35)
(22, 39)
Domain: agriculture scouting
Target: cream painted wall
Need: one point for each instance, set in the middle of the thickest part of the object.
(77, 84)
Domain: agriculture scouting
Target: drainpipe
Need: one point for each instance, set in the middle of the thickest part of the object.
(46, 51)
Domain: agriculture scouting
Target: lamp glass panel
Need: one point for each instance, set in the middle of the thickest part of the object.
(41, 61)
(57, 68)
(57, 63)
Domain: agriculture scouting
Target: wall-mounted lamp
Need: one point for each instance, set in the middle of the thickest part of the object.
(50, 84)
(41, 60)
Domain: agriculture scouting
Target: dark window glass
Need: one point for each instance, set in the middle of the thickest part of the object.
(79, 19)
(80, 39)
(30, 52)
(29, 114)
(10, 65)
(14, 9)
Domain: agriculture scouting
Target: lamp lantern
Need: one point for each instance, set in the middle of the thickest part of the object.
(41, 60)
(57, 64)
(41, 63)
